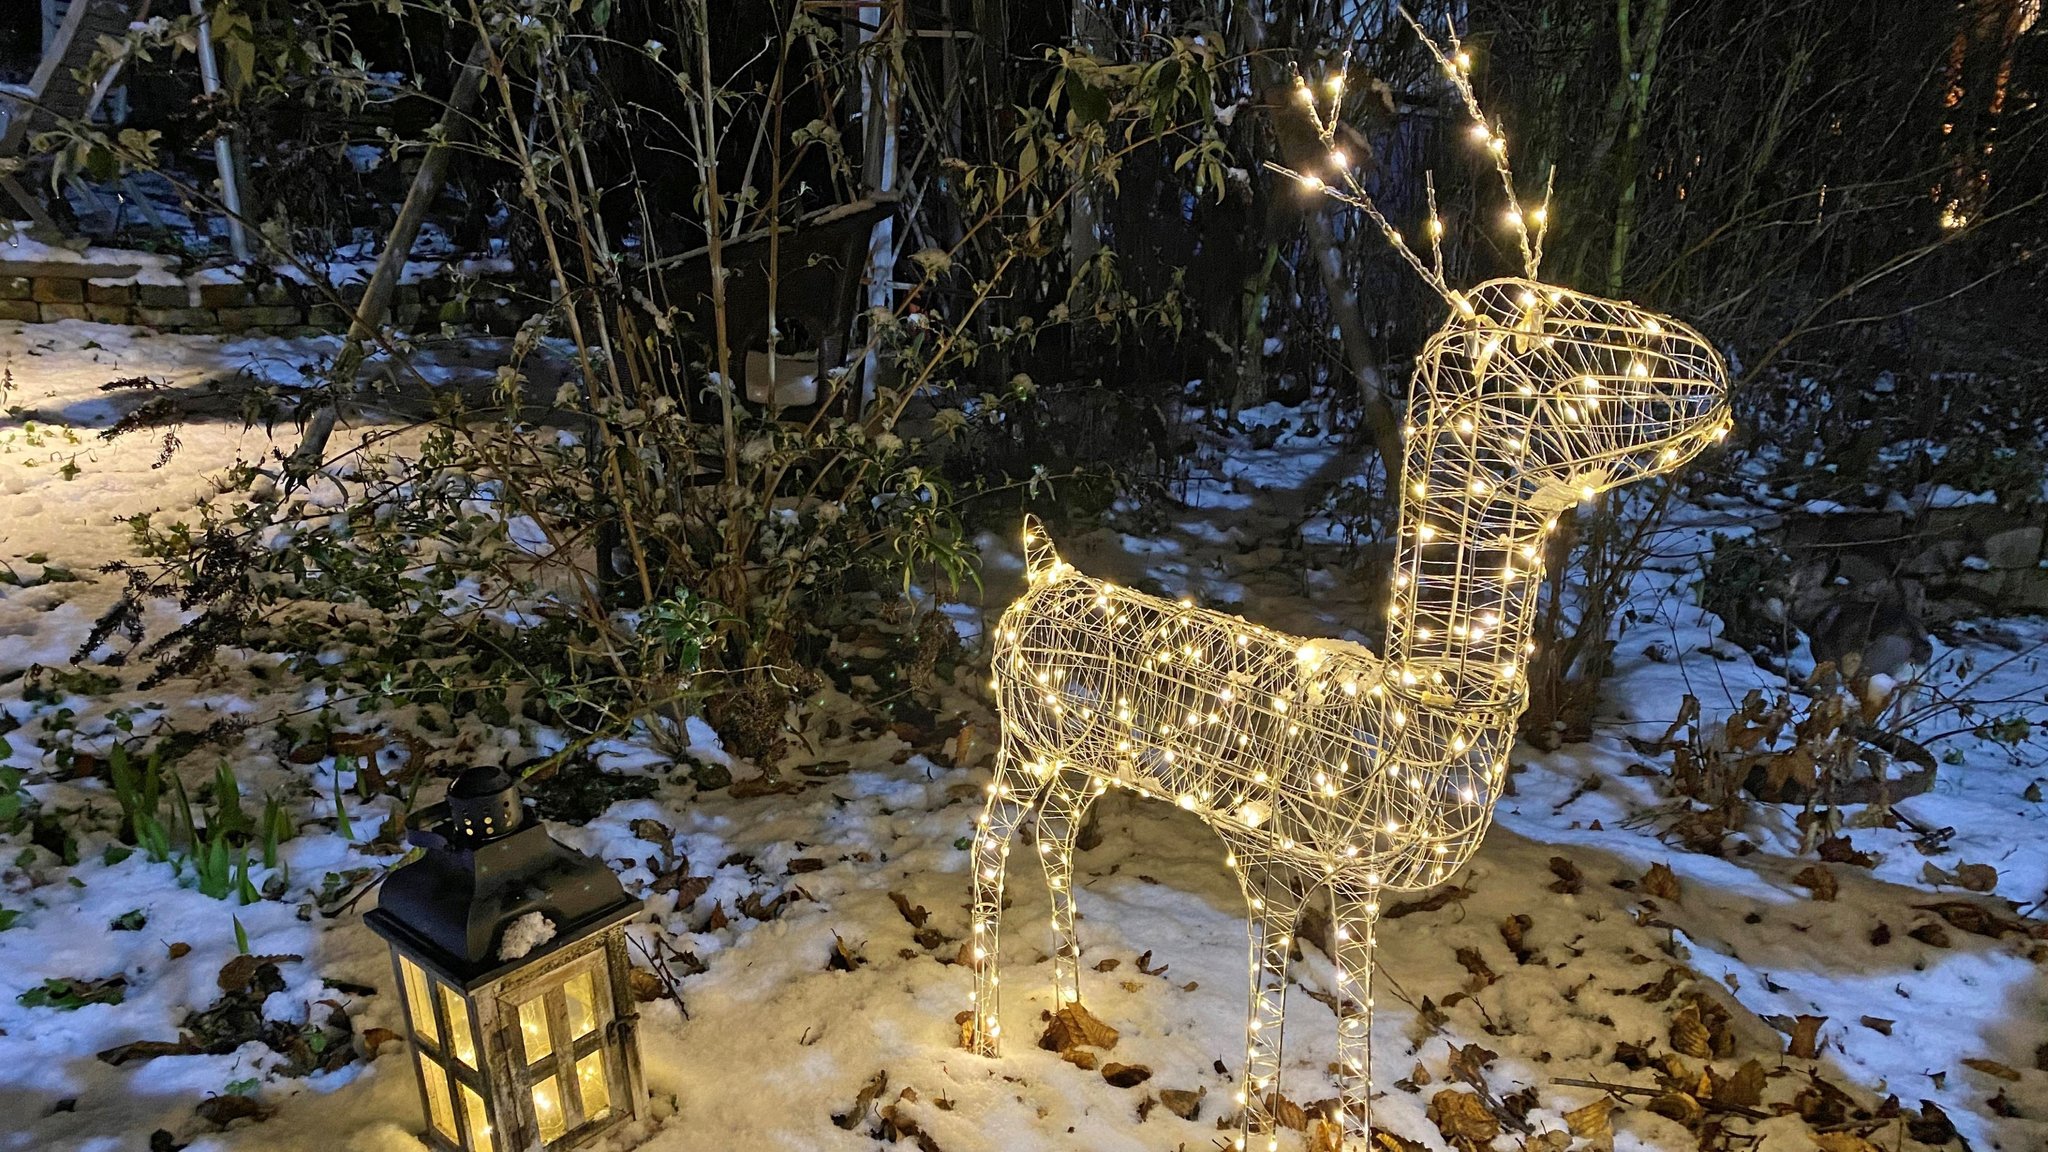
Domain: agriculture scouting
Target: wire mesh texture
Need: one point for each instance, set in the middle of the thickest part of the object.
(1330, 772)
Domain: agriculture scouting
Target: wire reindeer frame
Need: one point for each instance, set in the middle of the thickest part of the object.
(1332, 773)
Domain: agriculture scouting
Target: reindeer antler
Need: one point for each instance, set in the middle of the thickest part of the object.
(1457, 66)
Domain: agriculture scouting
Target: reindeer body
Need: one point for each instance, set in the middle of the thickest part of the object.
(1287, 740)
(1329, 772)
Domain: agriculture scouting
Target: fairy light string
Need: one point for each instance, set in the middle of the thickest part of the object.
(1333, 773)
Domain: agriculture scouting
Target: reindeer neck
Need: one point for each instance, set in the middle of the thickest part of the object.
(1464, 593)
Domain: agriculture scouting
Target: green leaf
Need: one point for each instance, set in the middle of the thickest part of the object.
(1086, 103)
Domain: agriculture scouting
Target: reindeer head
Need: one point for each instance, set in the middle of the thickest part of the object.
(1554, 396)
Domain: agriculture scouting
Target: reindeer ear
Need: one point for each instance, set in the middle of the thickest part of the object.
(1039, 553)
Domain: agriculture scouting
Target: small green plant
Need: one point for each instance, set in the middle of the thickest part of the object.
(275, 828)
(140, 792)
(342, 827)
(68, 995)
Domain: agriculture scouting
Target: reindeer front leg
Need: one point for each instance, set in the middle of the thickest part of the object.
(1067, 799)
(1009, 795)
(1273, 907)
(1354, 915)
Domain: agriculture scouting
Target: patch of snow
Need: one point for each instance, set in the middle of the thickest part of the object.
(525, 934)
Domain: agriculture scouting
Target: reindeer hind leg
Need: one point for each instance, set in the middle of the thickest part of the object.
(1067, 800)
(1009, 796)
(1273, 906)
(1354, 916)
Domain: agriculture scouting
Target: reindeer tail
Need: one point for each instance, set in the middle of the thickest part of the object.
(1039, 554)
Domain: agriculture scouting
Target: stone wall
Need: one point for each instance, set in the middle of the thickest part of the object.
(1950, 562)
(139, 292)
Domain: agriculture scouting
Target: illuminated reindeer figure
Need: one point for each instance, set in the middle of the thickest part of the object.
(1327, 769)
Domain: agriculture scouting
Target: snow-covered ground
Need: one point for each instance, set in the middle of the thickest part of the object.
(779, 1042)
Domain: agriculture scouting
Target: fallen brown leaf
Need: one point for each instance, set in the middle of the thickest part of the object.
(755, 787)
(1744, 1089)
(222, 1111)
(1805, 1041)
(844, 958)
(147, 1050)
(1462, 1118)
(1184, 1104)
(1991, 1068)
(1817, 880)
(1126, 1075)
(1075, 1027)
(1689, 1034)
(1568, 881)
(1877, 1024)
(1932, 1127)
(1429, 903)
(1286, 1113)
(236, 974)
(1838, 850)
(1660, 882)
(653, 831)
(915, 915)
(1593, 1120)
(1933, 935)
(1977, 877)
(857, 1115)
(1679, 1106)
(1474, 963)
(1469, 1064)
(1978, 920)
(1512, 930)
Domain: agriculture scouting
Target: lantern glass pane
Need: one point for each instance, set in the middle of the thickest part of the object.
(582, 1005)
(417, 1003)
(459, 1040)
(597, 1096)
(479, 1124)
(533, 1028)
(440, 1110)
(547, 1110)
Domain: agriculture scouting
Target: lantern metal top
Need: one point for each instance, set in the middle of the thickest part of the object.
(486, 864)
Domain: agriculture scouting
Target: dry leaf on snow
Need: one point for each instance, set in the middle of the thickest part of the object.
(1126, 1075)
(1805, 1041)
(1817, 880)
(1660, 882)
(1593, 1120)
(1462, 1118)
(1075, 1027)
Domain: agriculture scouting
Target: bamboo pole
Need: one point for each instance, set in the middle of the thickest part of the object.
(426, 186)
